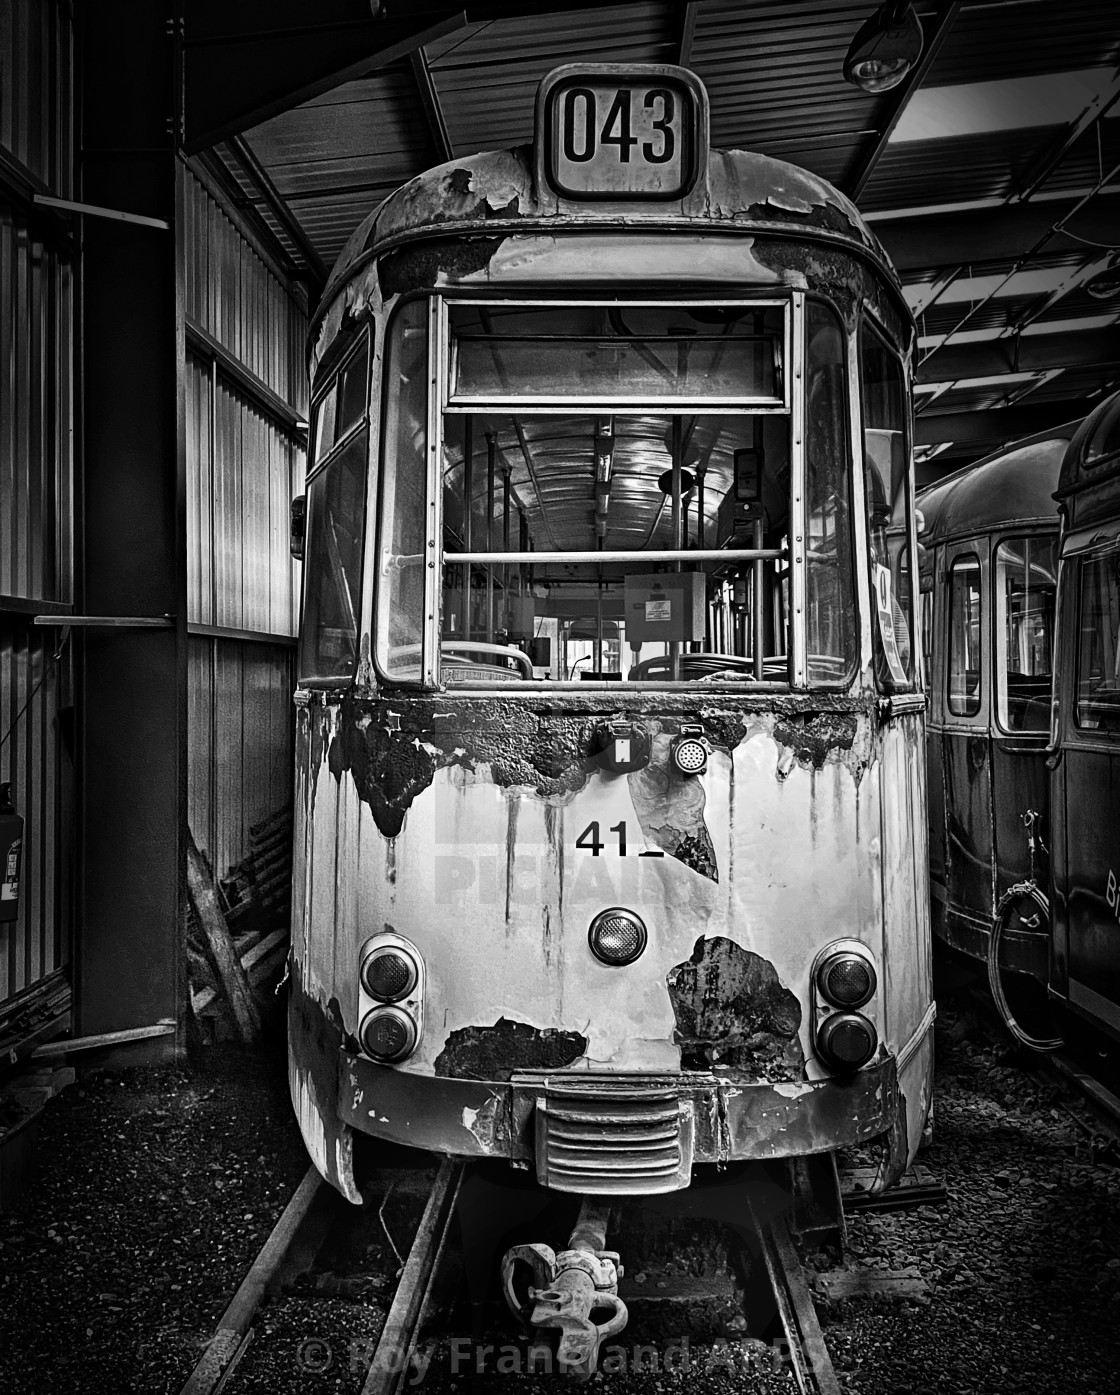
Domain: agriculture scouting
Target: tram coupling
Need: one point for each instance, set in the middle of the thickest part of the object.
(574, 1293)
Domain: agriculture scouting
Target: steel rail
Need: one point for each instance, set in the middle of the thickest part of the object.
(397, 1341)
(809, 1358)
(234, 1329)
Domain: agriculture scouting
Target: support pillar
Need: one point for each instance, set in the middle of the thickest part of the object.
(132, 698)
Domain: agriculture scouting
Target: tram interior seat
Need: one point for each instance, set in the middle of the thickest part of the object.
(698, 667)
(1028, 702)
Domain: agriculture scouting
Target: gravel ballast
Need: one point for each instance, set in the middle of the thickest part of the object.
(155, 1189)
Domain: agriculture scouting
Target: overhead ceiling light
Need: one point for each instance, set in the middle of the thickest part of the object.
(1106, 283)
(885, 48)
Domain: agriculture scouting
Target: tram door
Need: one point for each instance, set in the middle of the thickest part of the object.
(965, 743)
(1088, 786)
(1025, 579)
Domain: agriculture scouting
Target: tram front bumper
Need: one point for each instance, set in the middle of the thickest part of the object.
(614, 1133)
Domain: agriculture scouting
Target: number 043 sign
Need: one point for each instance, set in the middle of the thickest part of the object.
(622, 133)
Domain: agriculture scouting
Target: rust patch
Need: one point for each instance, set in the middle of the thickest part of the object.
(733, 1010)
(813, 738)
(427, 263)
(494, 1053)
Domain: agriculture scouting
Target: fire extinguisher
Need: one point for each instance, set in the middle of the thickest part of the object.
(11, 845)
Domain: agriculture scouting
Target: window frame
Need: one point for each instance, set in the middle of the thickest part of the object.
(1085, 736)
(998, 630)
(966, 552)
(869, 322)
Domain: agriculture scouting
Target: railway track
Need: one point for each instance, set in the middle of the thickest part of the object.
(312, 1211)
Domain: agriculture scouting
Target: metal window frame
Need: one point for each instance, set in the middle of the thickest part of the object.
(999, 628)
(536, 405)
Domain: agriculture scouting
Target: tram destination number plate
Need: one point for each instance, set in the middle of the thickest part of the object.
(621, 140)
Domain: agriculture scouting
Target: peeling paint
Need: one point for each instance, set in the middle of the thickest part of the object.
(732, 1010)
(813, 739)
(670, 808)
(494, 1053)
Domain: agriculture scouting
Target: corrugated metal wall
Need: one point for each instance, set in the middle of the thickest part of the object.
(245, 392)
(36, 481)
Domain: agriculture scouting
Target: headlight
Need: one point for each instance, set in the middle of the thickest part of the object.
(389, 973)
(847, 1040)
(616, 936)
(388, 1034)
(846, 980)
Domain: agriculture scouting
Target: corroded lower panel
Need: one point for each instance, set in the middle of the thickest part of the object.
(730, 1119)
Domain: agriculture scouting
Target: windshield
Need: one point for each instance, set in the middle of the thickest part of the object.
(615, 486)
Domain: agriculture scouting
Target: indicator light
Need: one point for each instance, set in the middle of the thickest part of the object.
(617, 936)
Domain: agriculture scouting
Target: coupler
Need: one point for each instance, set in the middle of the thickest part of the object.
(574, 1292)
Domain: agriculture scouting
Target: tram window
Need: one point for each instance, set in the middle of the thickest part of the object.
(1026, 578)
(550, 493)
(618, 353)
(829, 586)
(342, 405)
(1098, 662)
(965, 637)
(336, 509)
(886, 482)
(404, 437)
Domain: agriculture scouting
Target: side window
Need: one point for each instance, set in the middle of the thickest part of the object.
(336, 514)
(1098, 650)
(1026, 584)
(886, 484)
(965, 637)
(336, 517)
(400, 569)
(829, 583)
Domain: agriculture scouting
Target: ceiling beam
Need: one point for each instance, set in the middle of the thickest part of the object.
(1053, 156)
(274, 201)
(235, 82)
(689, 14)
(994, 424)
(914, 242)
(433, 109)
(896, 103)
(1033, 353)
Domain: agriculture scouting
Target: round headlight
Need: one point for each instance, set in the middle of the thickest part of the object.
(847, 1040)
(387, 1034)
(389, 973)
(616, 936)
(689, 755)
(846, 980)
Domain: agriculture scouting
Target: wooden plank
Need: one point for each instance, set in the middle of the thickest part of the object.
(231, 974)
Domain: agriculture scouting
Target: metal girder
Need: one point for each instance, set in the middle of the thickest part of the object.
(993, 234)
(235, 78)
(262, 180)
(689, 14)
(896, 103)
(994, 423)
(433, 109)
(1032, 353)
(1052, 157)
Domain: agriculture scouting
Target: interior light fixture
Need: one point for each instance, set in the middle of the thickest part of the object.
(1106, 283)
(885, 48)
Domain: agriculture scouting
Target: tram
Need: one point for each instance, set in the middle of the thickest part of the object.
(989, 574)
(1085, 735)
(610, 788)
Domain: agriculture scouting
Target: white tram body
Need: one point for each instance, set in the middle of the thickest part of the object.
(611, 816)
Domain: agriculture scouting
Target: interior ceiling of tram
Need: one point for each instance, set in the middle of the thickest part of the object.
(553, 464)
(991, 173)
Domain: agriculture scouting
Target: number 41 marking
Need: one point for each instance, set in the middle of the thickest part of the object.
(590, 841)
